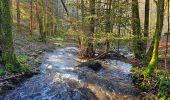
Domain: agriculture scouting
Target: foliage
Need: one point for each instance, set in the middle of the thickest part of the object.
(23, 58)
(157, 82)
(10, 68)
(25, 67)
(2, 71)
(164, 87)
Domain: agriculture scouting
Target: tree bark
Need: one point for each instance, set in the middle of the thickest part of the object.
(108, 26)
(158, 31)
(18, 16)
(8, 54)
(90, 45)
(31, 17)
(136, 27)
(146, 22)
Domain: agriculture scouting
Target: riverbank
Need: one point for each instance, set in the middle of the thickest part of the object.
(30, 51)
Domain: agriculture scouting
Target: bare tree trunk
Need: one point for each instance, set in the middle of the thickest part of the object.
(18, 16)
(31, 17)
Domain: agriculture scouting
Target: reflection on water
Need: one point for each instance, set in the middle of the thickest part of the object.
(61, 80)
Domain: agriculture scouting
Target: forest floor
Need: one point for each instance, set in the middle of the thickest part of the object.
(149, 88)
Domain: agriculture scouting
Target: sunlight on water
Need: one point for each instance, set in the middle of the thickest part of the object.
(125, 67)
(61, 76)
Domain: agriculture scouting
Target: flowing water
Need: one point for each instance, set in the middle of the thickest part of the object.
(61, 80)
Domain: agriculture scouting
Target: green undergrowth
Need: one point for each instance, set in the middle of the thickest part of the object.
(25, 67)
(2, 71)
(157, 84)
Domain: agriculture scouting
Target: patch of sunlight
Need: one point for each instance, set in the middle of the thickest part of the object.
(163, 56)
(49, 67)
(104, 94)
(125, 67)
(59, 38)
(100, 92)
(62, 76)
(59, 44)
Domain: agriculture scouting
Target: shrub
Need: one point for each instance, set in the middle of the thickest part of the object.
(164, 87)
(10, 68)
(2, 71)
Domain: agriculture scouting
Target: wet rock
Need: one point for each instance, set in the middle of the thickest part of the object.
(94, 65)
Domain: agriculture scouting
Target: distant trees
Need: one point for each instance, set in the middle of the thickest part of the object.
(6, 39)
(100, 20)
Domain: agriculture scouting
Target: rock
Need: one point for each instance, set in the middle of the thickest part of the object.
(94, 65)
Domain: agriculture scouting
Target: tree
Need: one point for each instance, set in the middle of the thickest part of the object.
(108, 26)
(136, 27)
(1, 32)
(146, 22)
(90, 45)
(158, 31)
(6, 38)
(18, 16)
(31, 17)
(41, 18)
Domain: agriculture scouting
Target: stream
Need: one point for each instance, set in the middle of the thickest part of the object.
(59, 79)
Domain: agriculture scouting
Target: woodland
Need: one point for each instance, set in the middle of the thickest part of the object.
(84, 50)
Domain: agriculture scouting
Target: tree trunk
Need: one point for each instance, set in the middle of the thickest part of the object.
(1, 36)
(31, 17)
(146, 23)
(136, 27)
(158, 31)
(18, 16)
(90, 46)
(108, 25)
(8, 55)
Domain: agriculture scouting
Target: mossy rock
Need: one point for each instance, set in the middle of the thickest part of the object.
(93, 64)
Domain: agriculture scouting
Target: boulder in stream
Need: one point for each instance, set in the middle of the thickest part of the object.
(93, 64)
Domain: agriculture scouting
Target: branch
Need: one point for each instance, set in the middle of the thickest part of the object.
(65, 7)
